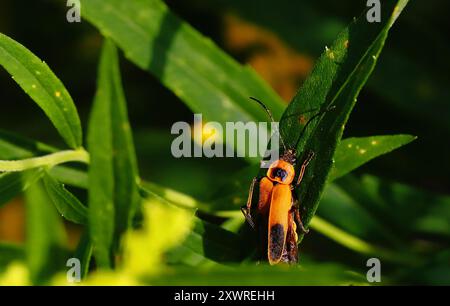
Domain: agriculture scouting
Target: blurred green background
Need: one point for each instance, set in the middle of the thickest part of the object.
(408, 93)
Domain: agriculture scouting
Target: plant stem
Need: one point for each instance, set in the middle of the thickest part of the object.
(49, 160)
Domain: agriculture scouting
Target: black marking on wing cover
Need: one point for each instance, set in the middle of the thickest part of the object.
(276, 241)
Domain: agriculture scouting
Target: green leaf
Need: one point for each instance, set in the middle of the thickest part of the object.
(84, 253)
(334, 84)
(39, 82)
(73, 177)
(351, 153)
(9, 150)
(11, 184)
(408, 81)
(65, 202)
(16, 147)
(46, 239)
(193, 67)
(113, 191)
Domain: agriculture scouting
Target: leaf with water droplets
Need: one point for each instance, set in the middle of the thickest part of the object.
(354, 152)
(41, 84)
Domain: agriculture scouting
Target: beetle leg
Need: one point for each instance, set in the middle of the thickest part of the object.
(303, 169)
(247, 208)
(298, 219)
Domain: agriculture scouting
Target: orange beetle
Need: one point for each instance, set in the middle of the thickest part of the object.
(277, 211)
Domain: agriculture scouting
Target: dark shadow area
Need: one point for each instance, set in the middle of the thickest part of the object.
(162, 44)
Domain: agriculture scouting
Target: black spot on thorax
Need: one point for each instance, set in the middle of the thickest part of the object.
(281, 173)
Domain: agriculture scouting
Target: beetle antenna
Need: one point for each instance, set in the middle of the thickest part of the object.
(265, 108)
(329, 108)
(271, 118)
(299, 113)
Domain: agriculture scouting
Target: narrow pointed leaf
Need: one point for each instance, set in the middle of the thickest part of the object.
(65, 202)
(113, 191)
(46, 239)
(334, 84)
(352, 153)
(40, 83)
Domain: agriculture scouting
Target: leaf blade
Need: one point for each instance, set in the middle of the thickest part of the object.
(113, 191)
(352, 153)
(157, 41)
(334, 83)
(65, 202)
(40, 83)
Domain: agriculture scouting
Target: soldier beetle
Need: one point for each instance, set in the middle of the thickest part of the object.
(276, 214)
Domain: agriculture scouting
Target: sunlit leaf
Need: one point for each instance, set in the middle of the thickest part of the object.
(351, 153)
(39, 82)
(333, 87)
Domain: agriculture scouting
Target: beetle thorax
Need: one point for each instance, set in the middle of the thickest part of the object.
(281, 172)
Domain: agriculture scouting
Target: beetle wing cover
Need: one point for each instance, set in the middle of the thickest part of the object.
(265, 193)
(280, 205)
